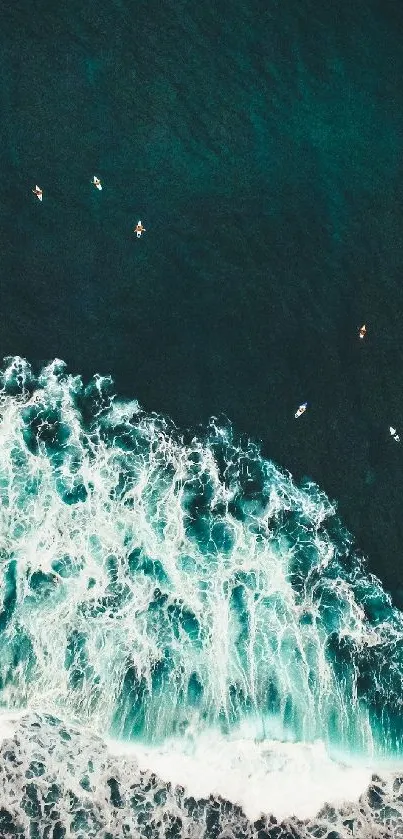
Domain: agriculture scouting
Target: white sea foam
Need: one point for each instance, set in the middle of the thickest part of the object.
(56, 776)
(185, 580)
(168, 592)
(9, 723)
(285, 779)
(188, 596)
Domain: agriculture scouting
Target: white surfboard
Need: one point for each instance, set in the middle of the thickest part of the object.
(301, 410)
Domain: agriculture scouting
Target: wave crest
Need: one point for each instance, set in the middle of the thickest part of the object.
(158, 585)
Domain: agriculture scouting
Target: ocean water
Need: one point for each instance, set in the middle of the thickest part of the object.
(200, 597)
(260, 144)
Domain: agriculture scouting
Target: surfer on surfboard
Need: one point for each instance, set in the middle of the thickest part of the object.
(393, 433)
(301, 410)
(38, 192)
(96, 182)
(139, 229)
(362, 331)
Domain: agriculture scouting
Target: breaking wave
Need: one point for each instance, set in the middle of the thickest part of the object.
(161, 588)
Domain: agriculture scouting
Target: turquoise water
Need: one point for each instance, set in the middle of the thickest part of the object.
(187, 601)
(152, 586)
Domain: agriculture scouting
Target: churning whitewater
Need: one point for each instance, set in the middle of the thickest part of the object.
(157, 589)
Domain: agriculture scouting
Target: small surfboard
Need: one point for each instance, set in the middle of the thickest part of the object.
(301, 410)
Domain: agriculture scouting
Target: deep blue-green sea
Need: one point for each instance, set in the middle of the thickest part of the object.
(201, 595)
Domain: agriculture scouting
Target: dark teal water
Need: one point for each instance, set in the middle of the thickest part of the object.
(261, 145)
